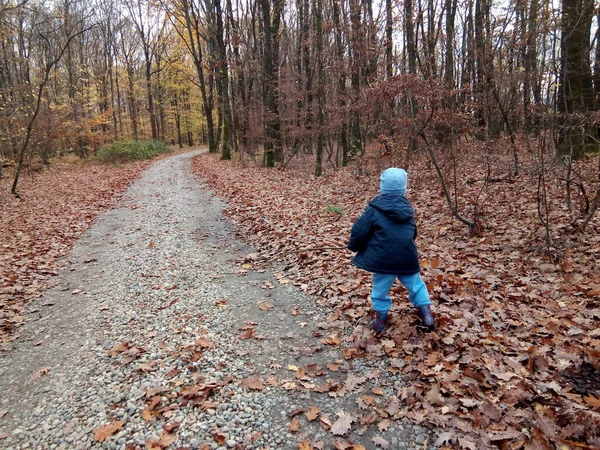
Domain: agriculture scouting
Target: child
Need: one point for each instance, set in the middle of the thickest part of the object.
(384, 237)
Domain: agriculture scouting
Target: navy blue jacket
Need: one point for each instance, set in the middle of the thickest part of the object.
(384, 237)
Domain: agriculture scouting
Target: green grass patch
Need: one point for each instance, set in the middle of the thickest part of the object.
(123, 151)
(334, 209)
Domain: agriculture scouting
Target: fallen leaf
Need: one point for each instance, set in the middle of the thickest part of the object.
(166, 439)
(377, 390)
(101, 433)
(294, 425)
(381, 442)
(384, 425)
(40, 373)
(332, 339)
(334, 367)
(151, 244)
(467, 444)
(265, 306)
(253, 384)
(343, 424)
(305, 445)
(294, 312)
(590, 400)
(204, 343)
(444, 438)
(312, 413)
(219, 437)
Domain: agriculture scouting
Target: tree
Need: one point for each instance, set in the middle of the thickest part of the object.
(271, 21)
(576, 96)
(48, 29)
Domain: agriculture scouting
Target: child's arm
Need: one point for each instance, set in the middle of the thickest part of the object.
(361, 231)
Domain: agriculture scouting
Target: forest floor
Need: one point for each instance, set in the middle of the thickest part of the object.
(163, 328)
(514, 360)
(158, 329)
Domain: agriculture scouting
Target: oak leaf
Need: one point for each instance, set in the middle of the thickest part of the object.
(312, 413)
(444, 438)
(343, 424)
(40, 373)
(294, 425)
(101, 433)
(592, 401)
(381, 442)
(253, 384)
(204, 343)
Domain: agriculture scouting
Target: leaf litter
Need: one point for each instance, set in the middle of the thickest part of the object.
(517, 329)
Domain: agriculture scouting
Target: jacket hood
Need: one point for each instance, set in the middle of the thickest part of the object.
(395, 206)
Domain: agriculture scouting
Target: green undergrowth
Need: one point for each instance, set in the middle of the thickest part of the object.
(122, 151)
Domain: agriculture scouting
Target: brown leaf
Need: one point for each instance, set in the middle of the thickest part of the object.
(332, 339)
(101, 433)
(40, 373)
(219, 437)
(381, 442)
(294, 425)
(305, 445)
(343, 424)
(204, 343)
(252, 383)
(592, 401)
(434, 396)
(393, 406)
(312, 413)
(265, 306)
(384, 425)
(464, 443)
(147, 414)
(444, 438)
(334, 367)
(377, 390)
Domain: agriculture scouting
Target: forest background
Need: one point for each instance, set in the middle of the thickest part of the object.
(491, 106)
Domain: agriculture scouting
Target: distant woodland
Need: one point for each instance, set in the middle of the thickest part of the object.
(274, 79)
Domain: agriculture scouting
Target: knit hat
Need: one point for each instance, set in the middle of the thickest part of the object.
(393, 181)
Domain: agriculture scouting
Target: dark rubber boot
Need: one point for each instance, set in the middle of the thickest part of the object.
(378, 323)
(426, 316)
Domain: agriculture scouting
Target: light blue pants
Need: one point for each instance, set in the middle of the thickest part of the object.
(382, 283)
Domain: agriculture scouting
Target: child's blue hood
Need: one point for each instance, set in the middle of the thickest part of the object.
(396, 207)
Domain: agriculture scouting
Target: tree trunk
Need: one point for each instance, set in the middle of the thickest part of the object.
(271, 23)
(450, 17)
(223, 82)
(576, 97)
(318, 15)
(410, 37)
(195, 46)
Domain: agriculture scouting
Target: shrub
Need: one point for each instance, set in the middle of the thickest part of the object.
(122, 151)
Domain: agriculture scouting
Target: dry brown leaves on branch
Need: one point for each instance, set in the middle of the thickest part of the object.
(515, 358)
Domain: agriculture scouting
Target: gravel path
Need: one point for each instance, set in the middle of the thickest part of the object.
(160, 328)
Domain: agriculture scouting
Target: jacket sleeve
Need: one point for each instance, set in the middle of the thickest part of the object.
(361, 231)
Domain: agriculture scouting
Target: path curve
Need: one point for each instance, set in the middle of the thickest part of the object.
(154, 322)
